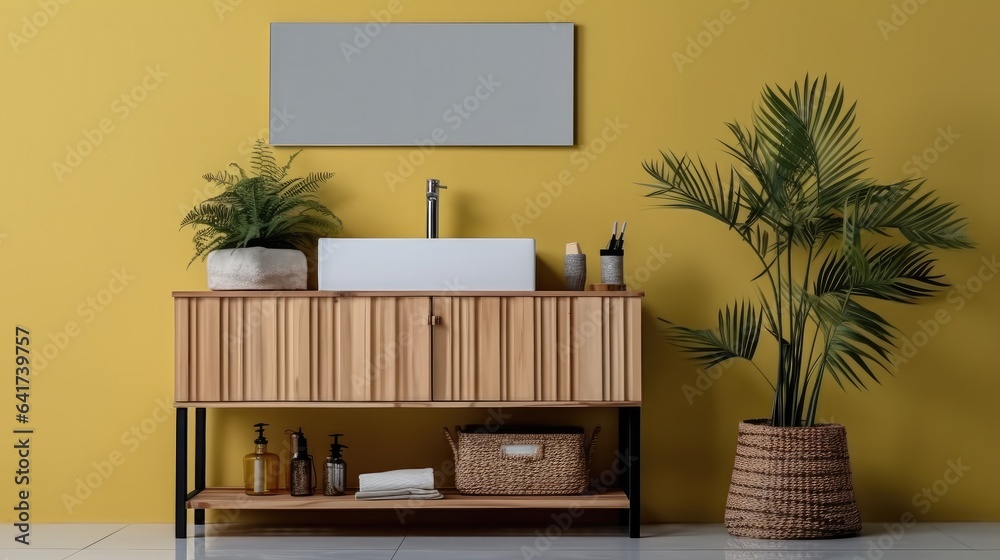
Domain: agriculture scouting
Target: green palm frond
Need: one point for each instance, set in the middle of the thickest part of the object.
(684, 184)
(784, 135)
(736, 336)
(900, 273)
(857, 338)
(919, 216)
(826, 235)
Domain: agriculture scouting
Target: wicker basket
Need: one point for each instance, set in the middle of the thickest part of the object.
(791, 483)
(530, 461)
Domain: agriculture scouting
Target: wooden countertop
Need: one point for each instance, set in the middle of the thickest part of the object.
(442, 293)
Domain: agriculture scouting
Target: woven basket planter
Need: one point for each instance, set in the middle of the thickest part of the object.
(791, 483)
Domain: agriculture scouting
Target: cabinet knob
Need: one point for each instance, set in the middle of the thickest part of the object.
(433, 320)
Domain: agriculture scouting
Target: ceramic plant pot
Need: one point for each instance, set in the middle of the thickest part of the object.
(257, 268)
(791, 483)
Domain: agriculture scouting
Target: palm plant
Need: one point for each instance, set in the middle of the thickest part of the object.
(828, 240)
(262, 210)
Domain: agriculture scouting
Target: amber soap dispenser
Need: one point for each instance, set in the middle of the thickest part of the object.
(260, 468)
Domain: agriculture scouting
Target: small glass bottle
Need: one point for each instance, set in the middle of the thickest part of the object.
(335, 469)
(302, 471)
(260, 468)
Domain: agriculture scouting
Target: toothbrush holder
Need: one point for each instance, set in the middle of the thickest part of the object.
(612, 266)
(575, 270)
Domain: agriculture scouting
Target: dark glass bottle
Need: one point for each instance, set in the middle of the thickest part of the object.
(301, 469)
(335, 469)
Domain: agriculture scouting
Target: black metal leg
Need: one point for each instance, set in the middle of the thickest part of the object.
(623, 421)
(634, 490)
(180, 499)
(199, 459)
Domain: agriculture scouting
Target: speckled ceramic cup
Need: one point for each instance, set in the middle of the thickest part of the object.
(612, 266)
(576, 272)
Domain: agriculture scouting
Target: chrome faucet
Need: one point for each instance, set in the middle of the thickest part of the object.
(432, 207)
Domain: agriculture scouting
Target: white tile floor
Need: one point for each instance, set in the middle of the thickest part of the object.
(937, 541)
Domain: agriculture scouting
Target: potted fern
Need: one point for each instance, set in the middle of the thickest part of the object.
(829, 241)
(254, 232)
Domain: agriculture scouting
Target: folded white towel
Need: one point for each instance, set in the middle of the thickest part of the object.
(402, 479)
(403, 494)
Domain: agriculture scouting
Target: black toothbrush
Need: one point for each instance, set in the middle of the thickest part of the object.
(620, 245)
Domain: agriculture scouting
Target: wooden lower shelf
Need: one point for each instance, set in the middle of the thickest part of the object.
(406, 404)
(236, 498)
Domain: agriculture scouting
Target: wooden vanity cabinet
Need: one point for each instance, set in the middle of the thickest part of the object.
(309, 349)
(326, 347)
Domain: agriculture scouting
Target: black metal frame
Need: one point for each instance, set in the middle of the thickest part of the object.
(182, 495)
(628, 454)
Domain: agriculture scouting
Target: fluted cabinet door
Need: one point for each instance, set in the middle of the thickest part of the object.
(537, 348)
(302, 349)
(467, 344)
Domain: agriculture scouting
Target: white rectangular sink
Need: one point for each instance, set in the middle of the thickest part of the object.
(406, 264)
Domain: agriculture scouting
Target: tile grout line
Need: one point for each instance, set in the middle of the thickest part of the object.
(950, 536)
(97, 541)
(953, 537)
(406, 535)
(399, 546)
(79, 550)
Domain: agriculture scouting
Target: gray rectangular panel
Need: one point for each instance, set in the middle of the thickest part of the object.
(406, 84)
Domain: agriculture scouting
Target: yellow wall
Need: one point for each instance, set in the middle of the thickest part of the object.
(66, 235)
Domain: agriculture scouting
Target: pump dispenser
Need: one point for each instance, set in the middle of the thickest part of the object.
(260, 468)
(293, 446)
(335, 469)
(302, 471)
